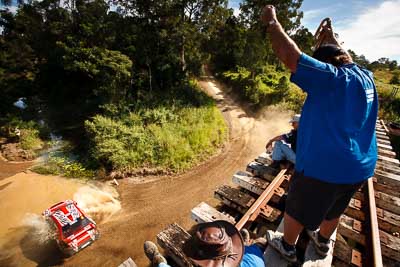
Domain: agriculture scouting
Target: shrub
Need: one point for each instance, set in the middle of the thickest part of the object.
(173, 138)
(59, 164)
(266, 88)
(29, 139)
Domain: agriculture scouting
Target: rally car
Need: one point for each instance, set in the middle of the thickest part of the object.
(73, 230)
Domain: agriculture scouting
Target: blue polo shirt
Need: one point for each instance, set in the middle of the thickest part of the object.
(336, 140)
(253, 257)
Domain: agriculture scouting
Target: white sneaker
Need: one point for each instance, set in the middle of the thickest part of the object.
(275, 241)
(321, 247)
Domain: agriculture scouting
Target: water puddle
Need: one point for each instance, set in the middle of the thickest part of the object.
(24, 199)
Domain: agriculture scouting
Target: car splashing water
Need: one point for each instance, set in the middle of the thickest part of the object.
(99, 202)
(39, 228)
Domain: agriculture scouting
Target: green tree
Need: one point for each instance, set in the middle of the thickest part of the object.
(395, 78)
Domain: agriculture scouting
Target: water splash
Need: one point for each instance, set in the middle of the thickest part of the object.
(40, 230)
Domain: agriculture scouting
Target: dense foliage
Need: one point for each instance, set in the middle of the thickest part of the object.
(114, 77)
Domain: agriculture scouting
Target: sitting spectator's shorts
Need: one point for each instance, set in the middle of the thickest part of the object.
(310, 201)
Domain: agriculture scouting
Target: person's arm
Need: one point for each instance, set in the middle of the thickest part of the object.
(276, 138)
(284, 47)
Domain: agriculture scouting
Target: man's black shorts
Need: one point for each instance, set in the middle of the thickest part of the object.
(310, 201)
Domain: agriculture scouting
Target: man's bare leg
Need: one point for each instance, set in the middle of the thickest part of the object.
(327, 227)
(292, 229)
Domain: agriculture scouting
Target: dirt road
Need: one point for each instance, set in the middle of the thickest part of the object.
(150, 204)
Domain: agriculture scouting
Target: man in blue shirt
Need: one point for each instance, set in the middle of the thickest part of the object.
(336, 143)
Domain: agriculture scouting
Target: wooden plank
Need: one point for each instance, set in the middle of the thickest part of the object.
(172, 240)
(388, 160)
(128, 263)
(273, 258)
(205, 213)
(253, 184)
(388, 168)
(256, 185)
(386, 153)
(383, 201)
(241, 202)
(383, 146)
(345, 253)
(390, 190)
(264, 158)
(383, 142)
(353, 229)
(387, 221)
(261, 170)
(384, 125)
(388, 179)
(313, 259)
(390, 245)
(382, 136)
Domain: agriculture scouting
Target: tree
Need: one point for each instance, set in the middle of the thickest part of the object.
(360, 60)
(304, 39)
(392, 65)
(395, 78)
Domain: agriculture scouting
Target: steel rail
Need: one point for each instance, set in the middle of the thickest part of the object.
(374, 234)
(254, 210)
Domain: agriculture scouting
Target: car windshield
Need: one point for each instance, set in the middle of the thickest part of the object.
(69, 229)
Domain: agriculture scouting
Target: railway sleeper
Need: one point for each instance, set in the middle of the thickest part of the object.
(241, 201)
(354, 230)
(387, 221)
(383, 201)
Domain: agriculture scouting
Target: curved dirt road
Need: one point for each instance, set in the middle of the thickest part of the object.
(151, 203)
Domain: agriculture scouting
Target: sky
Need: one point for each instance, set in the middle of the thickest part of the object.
(370, 28)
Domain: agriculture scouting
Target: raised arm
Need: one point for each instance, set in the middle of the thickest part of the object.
(284, 47)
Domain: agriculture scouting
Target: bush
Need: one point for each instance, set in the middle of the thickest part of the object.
(29, 139)
(61, 165)
(27, 133)
(266, 88)
(171, 137)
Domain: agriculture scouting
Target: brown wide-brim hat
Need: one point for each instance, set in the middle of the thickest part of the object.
(215, 244)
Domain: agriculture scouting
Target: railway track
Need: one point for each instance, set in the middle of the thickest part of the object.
(367, 235)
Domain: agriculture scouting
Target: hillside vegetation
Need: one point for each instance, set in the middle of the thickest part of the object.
(118, 82)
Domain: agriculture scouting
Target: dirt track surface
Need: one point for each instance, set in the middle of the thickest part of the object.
(150, 204)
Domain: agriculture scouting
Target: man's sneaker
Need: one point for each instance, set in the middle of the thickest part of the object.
(152, 253)
(321, 247)
(246, 236)
(275, 241)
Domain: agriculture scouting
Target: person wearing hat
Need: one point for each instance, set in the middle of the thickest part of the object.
(336, 149)
(214, 244)
(285, 145)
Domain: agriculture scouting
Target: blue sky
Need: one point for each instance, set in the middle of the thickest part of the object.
(368, 27)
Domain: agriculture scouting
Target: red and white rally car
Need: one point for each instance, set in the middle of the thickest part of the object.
(73, 229)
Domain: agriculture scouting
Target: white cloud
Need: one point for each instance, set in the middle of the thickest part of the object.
(375, 32)
(236, 11)
(12, 9)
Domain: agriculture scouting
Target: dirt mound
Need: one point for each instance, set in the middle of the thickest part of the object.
(13, 152)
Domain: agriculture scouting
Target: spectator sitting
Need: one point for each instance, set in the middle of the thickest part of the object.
(285, 145)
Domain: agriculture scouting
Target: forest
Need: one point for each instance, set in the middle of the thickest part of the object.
(118, 79)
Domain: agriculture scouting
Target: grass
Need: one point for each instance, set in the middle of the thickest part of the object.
(167, 137)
